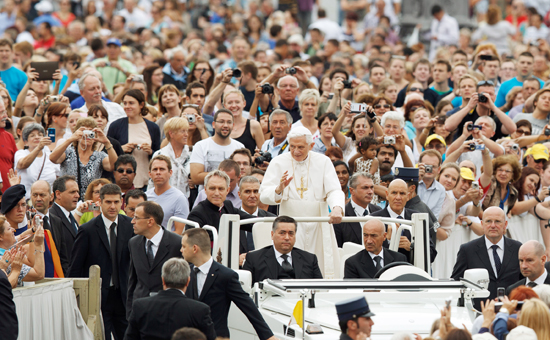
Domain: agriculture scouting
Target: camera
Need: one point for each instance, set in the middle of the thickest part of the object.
(53, 99)
(347, 84)
(191, 118)
(547, 132)
(107, 64)
(515, 147)
(471, 127)
(429, 169)
(38, 221)
(358, 107)
(389, 140)
(483, 98)
(135, 77)
(237, 73)
(89, 134)
(267, 88)
(94, 207)
(474, 147)
(263, 157)
(290, 70)
(138, 146)
(475, 186)
(371, 114)
(330, 96)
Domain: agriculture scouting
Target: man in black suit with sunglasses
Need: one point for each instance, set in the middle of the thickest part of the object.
(125, 172)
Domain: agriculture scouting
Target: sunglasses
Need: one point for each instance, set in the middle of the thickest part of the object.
(66, 115)
(485, 82)
(538, 161)
(128, 171)
(523, 132)
(416, 89)
(414, 108)
(379, 106)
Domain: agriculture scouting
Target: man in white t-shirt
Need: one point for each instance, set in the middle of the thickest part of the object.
(209, 153)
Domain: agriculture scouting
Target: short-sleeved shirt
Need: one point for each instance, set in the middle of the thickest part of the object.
(15, 80)
(472, 116)
(536, 124)
(173, 203)
(210, 154)
(42, 166)
(111, 75)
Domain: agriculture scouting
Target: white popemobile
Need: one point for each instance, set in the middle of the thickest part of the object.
(403, 297)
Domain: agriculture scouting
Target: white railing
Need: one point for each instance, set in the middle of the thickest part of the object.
(194, 224)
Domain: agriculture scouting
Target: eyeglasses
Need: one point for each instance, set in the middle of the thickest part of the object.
(140, 218)
(506, 171)
(416, 89)
(128, 171)
(379, 106)
(485, 82)
(523, 132)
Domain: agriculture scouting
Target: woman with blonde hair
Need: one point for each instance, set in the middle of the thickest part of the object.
(389, 89)
(535, 315)
(501, 192)
(169, 103)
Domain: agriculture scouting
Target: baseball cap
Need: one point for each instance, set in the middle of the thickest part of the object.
(114, 41)
(435, 136)
(467, 174)
(538, 151)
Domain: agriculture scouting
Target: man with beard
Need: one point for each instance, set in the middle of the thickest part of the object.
(386, 158)
(209, 153)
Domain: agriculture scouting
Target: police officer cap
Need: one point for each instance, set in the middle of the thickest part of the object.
(406, 174)
(353, 308)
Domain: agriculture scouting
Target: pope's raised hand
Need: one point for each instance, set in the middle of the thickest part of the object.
(285, 181)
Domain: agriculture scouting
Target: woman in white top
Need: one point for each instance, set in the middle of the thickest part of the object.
(34, 163)
(309, 105)
(177, 133)
(497, 31)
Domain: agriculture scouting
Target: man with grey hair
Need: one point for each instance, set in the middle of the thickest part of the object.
(90, 86)
(361, 187)
(305, 184)
(160, 315)
(532, 257)
(249, 193)
(209, 211)
(280, 122)
(282, 260)
(393, 125)
(175, 71)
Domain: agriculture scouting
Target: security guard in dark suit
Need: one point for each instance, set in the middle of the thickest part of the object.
(354, 318)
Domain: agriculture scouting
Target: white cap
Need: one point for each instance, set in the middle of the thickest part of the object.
(296, 39)
(522, 333)
(44, 6)
(301, 131)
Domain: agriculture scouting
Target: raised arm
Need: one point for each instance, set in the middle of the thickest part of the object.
(26, 161)
(454, 120)
(216, 93)
(20, 101)
(508, 125)
(340, 138)
(58, 154)
(57, 77)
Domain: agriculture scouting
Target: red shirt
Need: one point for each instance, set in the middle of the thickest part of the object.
(521, 19)
(7, 153)
(44, 43)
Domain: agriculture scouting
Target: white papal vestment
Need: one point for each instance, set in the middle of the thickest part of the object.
(316, 174)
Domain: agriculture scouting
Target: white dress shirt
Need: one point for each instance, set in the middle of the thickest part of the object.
(539, 280)
(393, 214)
(156, 241)
(279, 258)
(108, 223)
(202, 274)
(500, 252)
(446, 31)
(359, 210)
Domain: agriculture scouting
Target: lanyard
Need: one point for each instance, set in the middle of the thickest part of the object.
(501, 205)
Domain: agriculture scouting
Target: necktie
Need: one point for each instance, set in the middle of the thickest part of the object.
(532, 284)
(377, 260)
(249, 241)
(366, 212)
(73, 222)
(114, 274)
(195, 284)
(150, 256)
(46, 221)
(287, 267)
(498, 264)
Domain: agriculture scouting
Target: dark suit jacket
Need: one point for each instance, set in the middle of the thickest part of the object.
(522, 283)
(361, 265)
(243, 245)
(158, 317)
(65, 234)
(351, 232)
(263, 264)
(143, 278)
(474, 255)
(92, 247)
(55, 226)
(408, 215)
(222, 287)
(8, 319)
(119, 131)
(169, 80)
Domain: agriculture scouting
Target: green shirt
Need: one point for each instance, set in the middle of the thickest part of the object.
(111, 75)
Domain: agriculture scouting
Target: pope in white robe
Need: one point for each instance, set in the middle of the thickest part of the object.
(305, 184)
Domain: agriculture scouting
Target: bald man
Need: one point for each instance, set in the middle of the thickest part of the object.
(397, 195)
(532, 259)
(492, 251)
(366, 263)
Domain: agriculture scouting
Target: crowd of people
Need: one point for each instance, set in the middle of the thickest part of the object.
(160, 109)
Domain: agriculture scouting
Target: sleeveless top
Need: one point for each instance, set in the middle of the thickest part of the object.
(246, 138)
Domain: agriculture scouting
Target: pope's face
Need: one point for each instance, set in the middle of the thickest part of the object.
(299, 148)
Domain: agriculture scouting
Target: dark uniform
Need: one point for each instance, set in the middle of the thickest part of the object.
(352, 309)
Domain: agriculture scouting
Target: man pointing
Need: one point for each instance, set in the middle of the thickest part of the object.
(305, 184)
